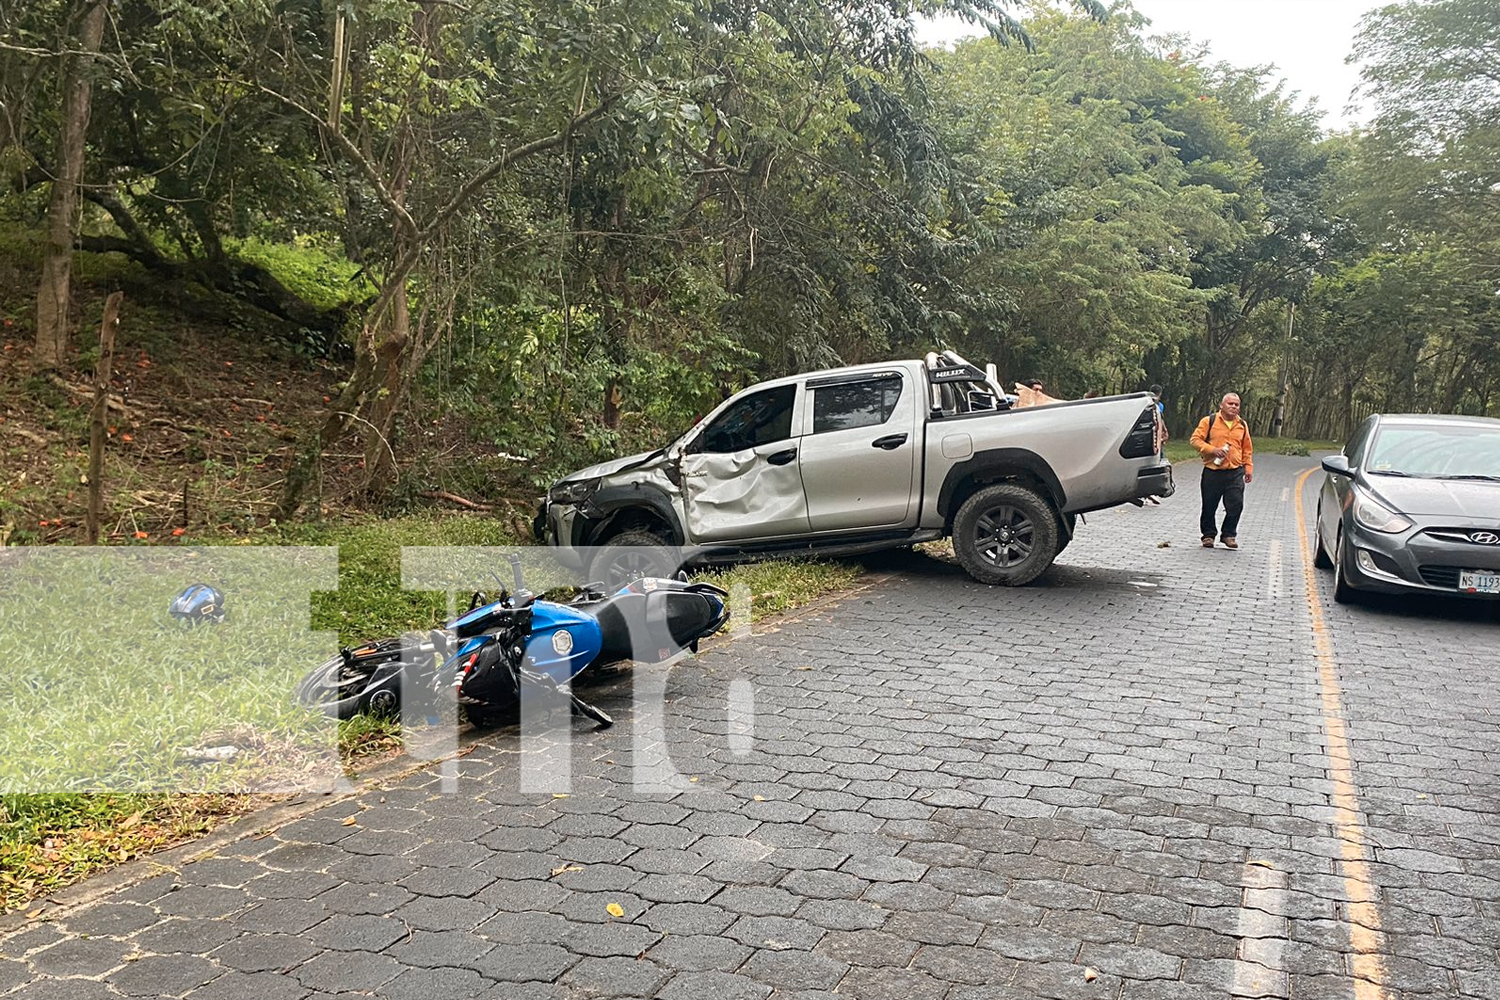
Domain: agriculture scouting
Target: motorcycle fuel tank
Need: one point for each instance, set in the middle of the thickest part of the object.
(563, 641)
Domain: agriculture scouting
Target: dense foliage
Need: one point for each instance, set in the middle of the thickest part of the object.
(578, 225)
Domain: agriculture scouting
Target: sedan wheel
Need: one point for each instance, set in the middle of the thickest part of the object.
(1343, 593)
(1320, 554)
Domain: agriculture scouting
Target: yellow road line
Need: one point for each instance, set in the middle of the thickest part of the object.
(1362, 912)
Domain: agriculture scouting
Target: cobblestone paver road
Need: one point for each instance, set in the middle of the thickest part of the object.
(1121, 782)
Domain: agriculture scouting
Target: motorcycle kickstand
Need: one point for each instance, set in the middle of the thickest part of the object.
(580, 707)
(576, 705)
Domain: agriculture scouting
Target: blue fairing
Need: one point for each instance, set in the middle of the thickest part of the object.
(562, 658)
(472, 645)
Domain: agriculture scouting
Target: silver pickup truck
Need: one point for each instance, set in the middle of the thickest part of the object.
(857, 459)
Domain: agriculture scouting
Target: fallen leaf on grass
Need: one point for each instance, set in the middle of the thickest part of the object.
(133, 819)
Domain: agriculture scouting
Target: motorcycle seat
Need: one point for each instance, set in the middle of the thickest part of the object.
(651, 627)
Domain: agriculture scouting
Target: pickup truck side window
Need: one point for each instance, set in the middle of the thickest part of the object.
(760, 418)
(867, 403)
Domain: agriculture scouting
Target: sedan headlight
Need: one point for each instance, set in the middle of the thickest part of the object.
(573, 491)
(1376, 516)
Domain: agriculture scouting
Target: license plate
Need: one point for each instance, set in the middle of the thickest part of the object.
(1476, 581)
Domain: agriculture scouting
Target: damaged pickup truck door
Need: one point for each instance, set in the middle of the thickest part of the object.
(740, 475)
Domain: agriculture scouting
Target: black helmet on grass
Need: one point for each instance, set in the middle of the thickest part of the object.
(198, 603)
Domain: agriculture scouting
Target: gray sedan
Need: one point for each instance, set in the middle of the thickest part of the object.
(1413, 504)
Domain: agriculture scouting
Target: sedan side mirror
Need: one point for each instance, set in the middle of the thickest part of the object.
(1338, 465)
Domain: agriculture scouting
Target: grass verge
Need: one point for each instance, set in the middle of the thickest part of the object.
(48, 842)
(778, 586)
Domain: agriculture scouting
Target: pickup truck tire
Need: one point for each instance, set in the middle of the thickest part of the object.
(1005, 534)
(629, 556)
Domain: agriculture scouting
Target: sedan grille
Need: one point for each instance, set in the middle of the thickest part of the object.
(1439, 576)
(1466, 536)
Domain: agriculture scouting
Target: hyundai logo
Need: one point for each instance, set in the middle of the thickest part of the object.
(1484, 538)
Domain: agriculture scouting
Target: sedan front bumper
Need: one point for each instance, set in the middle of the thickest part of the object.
(1427, 557)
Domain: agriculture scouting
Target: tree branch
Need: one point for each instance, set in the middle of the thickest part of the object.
(507, 158)
(350, 150)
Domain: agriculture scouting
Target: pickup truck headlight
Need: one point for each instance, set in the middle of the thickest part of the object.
(1376, 516)
(573, 491)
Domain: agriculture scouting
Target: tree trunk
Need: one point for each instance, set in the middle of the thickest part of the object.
(380, 456)
(55, 288)
(616, 314)
(99, 415)
(393, 345)
(424, 334)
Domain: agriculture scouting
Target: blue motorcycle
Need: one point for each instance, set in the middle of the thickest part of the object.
(490, 656)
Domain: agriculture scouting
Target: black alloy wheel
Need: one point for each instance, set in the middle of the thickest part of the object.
(1005, 534)
(631, 556)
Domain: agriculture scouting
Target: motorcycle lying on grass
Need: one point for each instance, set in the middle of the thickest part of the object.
(490, 656)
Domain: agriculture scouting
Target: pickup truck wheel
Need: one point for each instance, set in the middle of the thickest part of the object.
(1005, 534)
(629, 556)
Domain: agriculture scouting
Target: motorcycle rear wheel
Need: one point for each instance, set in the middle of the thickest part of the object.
(326, 686)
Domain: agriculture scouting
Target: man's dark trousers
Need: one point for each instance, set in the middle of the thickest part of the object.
(1227, 485)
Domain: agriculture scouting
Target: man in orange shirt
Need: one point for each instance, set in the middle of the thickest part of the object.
(1228, 466)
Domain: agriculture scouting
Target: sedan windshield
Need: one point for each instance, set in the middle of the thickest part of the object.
(1437, 451)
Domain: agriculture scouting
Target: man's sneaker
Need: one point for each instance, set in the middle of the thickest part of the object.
(1230, 543)
(1208, 541)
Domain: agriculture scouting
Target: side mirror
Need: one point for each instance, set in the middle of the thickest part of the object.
(1338, 465)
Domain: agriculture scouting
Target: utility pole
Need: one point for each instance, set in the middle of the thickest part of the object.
(1279, 419)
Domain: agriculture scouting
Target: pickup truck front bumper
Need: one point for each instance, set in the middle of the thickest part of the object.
(1155, 481)
(553, 527)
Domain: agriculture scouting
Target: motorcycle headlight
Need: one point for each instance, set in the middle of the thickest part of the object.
(573, 491)
(1376, 516)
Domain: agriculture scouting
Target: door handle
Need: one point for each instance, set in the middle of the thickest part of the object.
(782, 457)
(890, 441)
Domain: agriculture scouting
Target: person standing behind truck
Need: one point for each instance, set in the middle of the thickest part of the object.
(1161, 427)
(1223, 441)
